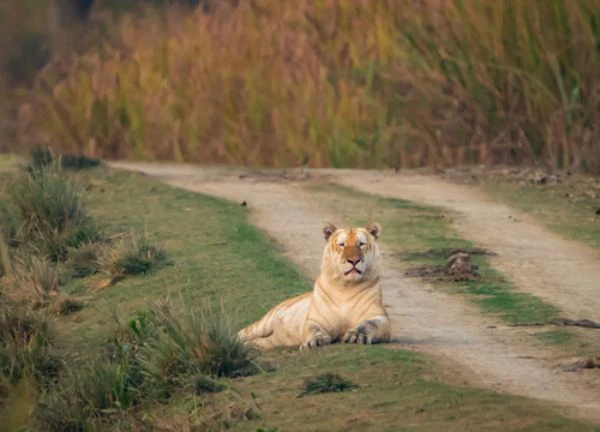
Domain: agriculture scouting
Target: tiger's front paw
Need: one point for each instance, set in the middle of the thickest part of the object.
(316, 340)
(358, 336)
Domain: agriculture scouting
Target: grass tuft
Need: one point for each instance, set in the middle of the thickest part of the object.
(204, 384)
(33, 281)
(86, 260)
(48, 201)
(27, 346)
(51, 212)
(326, 383)
(138, 255)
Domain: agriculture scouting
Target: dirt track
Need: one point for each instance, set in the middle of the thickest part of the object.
(562, 272)
(423, 319)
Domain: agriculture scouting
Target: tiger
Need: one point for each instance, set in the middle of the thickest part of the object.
(345, 304)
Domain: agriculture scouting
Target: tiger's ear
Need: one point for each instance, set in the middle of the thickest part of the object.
(374, 229)
(328, 230)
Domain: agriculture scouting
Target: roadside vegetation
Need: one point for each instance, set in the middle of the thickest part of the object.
(156, 350)
(348, 83)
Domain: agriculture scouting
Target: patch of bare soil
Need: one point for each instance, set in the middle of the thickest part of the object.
(424, 319)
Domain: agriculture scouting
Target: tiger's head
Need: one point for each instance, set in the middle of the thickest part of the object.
(351, 254)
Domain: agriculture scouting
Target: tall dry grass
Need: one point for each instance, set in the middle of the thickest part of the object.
(335, 83)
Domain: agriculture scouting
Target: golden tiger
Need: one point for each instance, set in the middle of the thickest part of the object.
(345, 304)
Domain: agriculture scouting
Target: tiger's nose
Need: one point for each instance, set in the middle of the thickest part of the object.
(354, 261)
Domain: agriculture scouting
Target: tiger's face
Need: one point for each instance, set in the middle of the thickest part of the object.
(351, 253)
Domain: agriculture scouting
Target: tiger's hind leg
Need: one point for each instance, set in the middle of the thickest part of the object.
(265, 343)
(258, 330)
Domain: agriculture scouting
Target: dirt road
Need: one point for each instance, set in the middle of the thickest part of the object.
(559, 271)
(426, 320)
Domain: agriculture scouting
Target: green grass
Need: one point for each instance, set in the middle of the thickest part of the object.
(565, 208)
(494, 294)
(411, 229)
(397, 390)
(555, 337)
(326, 383)
(216, 255)
(220, 260)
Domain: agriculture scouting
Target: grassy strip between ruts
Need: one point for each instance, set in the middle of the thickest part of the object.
(412, 229)
(571, 209)
(218, 257)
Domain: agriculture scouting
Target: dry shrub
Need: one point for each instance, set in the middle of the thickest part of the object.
(33, 283)
(335, 83)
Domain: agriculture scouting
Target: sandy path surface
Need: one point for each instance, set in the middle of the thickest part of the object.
(445, 326)
(561, 272)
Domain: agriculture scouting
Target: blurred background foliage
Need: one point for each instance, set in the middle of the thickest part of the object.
(342, 83)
